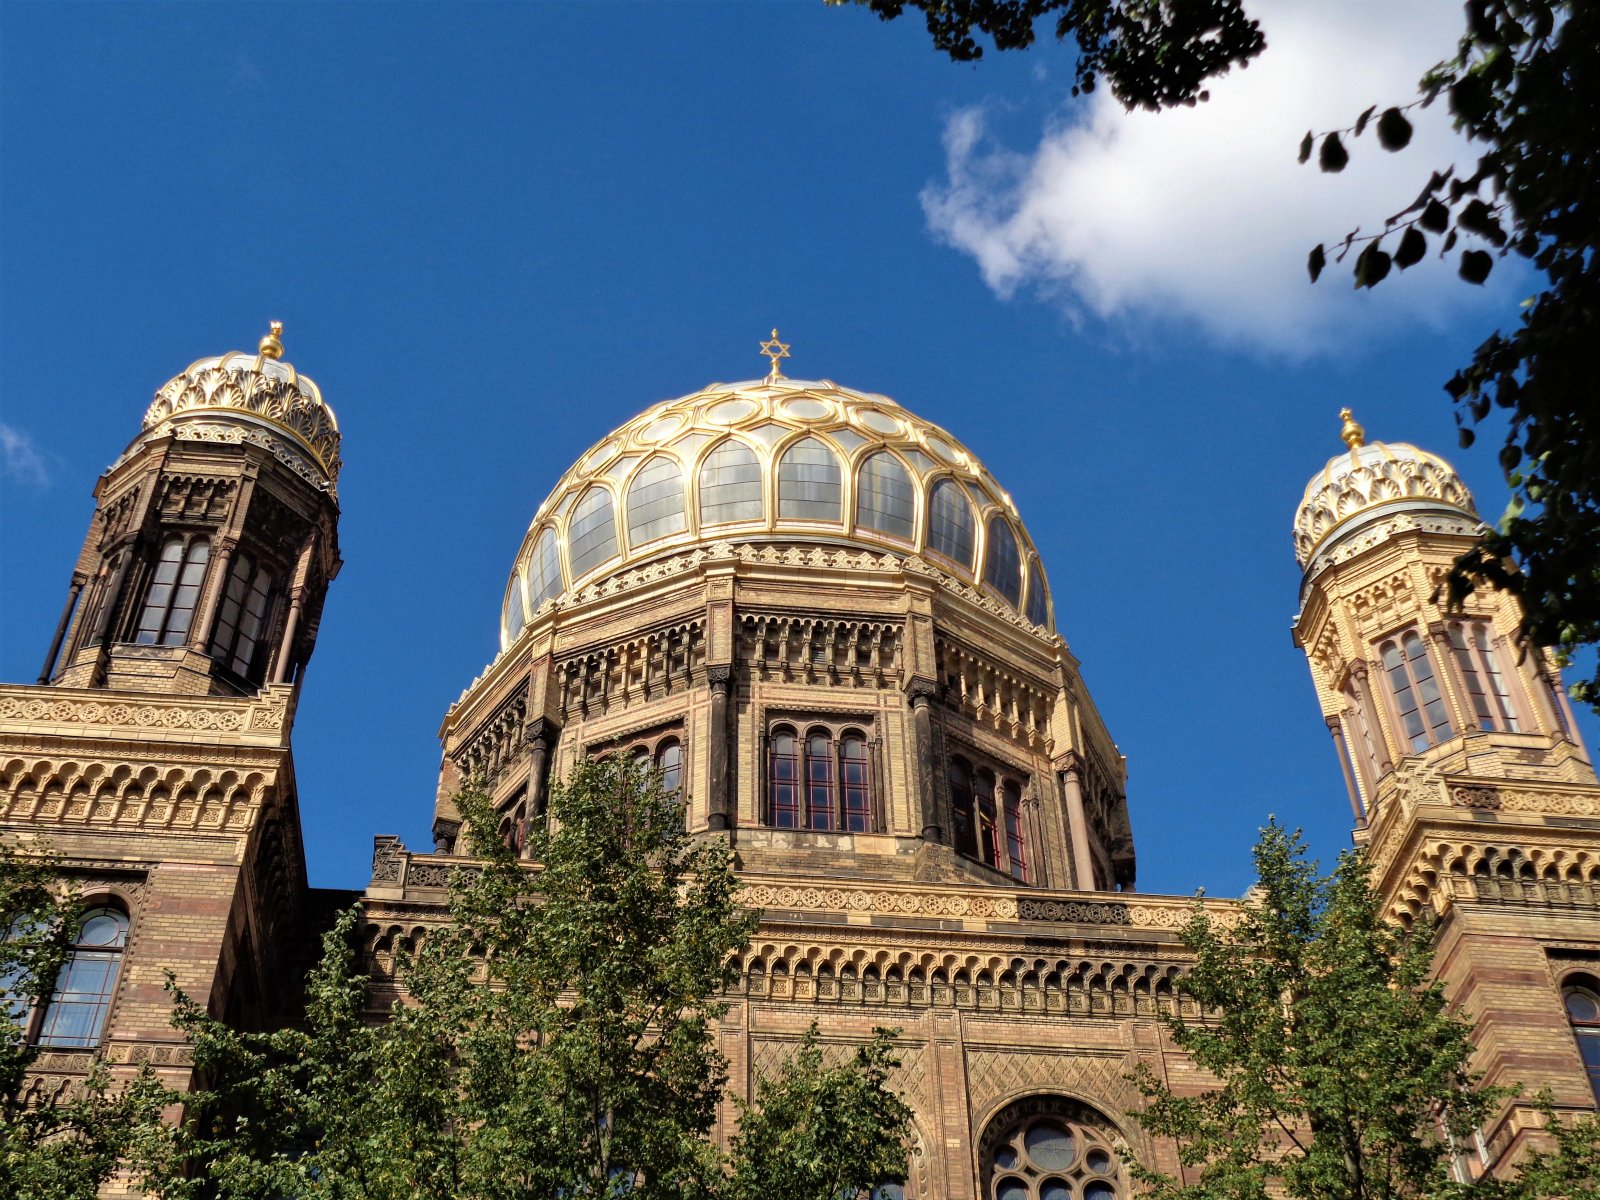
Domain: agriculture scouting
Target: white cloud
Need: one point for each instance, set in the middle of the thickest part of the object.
(20, 459)
(1204, 214)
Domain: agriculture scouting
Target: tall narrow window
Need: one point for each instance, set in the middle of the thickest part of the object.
(784, 793)
(730, 485)
(669, 761)
(809, 482)
(853, 783)
(1038, 597)
(885, 500)
(1424, 718)
(76, 1014)
(1583, 1010)
(819, 781)
(1011, 815)
(242, 619)
(544, 570)
(1002, 564)
(174, 591)
(963, 818)
(1480, 671)
(951, 530)
(655, 501)
(988, 829)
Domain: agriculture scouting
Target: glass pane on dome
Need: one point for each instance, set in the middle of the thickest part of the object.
(952, 529)
(920, 461)
(809, 482)
(730, 411)
(730, 485)
(885, 500)
(1038, 598)
(1049, 1145)
(515, 619)
(848, 438)
(544, 571)
(1002, 566)
(806, 409)
(592, 534)
(655, 501)
(878, 422)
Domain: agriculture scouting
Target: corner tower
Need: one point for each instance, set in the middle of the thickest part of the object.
(213, 540)
(151, 763)
(1469, 785)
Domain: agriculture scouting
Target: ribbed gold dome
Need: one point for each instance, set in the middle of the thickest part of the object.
(239, 396)
(776, 460)
(1369, 480)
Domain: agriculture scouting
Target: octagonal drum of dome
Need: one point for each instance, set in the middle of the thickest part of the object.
(776, 461)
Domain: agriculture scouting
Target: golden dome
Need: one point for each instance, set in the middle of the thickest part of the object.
(1370, 480)
(259, 398)
(776, 460)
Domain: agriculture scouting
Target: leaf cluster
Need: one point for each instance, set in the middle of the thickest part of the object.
(1339, 1071)
(1525, 88)
(555, 1039)
(1152, 53)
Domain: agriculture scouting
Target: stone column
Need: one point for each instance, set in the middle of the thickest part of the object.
(291, 626)
(1342, 749)
(73, 592)
(921, 692)
(719, 812)
(1078, 827)
(213, 587)
(112, 599)
(542, 733)
(1376, 718)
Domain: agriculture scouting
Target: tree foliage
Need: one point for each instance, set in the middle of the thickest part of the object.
(1152, 53)
(1339, 1071)
(556, 1039)
(55, 1147)
(1524, 87)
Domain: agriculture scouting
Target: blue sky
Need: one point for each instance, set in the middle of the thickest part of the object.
(494, 232)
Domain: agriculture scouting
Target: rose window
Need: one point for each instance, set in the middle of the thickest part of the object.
(1051, 1156)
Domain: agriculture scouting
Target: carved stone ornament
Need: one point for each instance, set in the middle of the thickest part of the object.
(1367, 476)
(1480, 798)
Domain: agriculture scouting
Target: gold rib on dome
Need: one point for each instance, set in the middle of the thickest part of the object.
(774, 460)
(236, 394)
(1368, 477)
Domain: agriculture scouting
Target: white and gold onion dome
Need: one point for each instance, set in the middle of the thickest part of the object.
(776, 460)
(260, 398)
(1369, 481)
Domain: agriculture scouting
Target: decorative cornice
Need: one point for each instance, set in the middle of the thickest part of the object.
(90, 713)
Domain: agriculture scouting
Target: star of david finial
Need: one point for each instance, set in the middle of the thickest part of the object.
(774, 350)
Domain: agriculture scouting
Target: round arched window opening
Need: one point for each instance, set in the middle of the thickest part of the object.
(1050, 1148)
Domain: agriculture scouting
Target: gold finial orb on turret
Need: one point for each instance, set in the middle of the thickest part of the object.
(271, 346)
(1353, 434)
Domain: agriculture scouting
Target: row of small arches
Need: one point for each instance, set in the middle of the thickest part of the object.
(126, 782)
(810, 487)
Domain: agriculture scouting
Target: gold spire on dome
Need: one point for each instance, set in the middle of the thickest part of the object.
(271, 346)
(1353, 434)
(774, 350)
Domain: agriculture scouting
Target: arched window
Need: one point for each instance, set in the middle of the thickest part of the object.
(854, 786)
(515, 618)
(174, 591)
(544, 570)
(885, 500)
(809, 482)
(951, 527)
(1418, 704)
(1050, 1148)
(242, 619)
(592, 534)
(730, 485)
(514, 824)
(1002, 565)
(819, 781)
(1038, 597)
(822, 781)
(986, 817)
(669, 761)
(76, 1013)
(963, 817)
(1480, 671)
(655, 501)
(1583, 1010)
(784, 776)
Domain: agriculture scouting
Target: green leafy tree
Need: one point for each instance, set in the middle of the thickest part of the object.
(1151, 53)
(556, 1039)
(1525, 88)
(58, 1147)
(1339, 1071)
